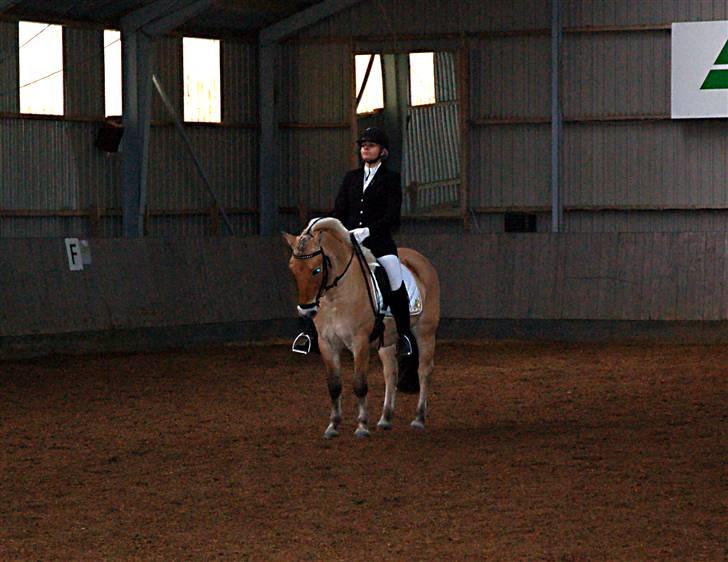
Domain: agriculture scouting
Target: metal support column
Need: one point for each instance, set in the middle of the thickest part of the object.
(268, 156)
(396, 104)
(138, 30)
(136, 95)
(556, 119)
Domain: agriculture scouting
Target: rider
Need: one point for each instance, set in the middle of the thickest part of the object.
(369, 204)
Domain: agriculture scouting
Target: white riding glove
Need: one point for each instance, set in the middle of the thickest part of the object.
(360, 234)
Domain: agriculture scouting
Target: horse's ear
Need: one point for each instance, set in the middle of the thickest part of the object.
(289, 238)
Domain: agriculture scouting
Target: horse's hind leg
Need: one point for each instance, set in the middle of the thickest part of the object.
(361, 365)
(427, 362)
(333, 380)
(388, 355)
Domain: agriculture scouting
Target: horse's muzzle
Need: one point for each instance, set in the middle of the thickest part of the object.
(307, 310)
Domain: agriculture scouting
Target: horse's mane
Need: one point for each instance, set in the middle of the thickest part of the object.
(333, 226)
(329, 224)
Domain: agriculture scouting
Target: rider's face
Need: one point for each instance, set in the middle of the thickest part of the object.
(370, 151)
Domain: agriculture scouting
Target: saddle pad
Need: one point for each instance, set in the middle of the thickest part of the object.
(415, 301)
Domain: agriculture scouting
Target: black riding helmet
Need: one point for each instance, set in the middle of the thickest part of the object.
(374, 134)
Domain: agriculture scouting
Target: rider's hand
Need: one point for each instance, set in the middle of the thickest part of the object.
(360, 234)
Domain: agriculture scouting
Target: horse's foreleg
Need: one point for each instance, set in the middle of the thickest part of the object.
(427, 362)
(333, 381)
(361, 365)
(388, 355)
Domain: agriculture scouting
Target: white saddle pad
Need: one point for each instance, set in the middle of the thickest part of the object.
(415, 301)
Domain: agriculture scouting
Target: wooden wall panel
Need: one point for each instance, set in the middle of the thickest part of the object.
(159, 283)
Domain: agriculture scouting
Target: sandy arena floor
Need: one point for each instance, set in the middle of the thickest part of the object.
(532, 452)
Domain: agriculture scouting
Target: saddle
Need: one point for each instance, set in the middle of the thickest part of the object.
(382, 288)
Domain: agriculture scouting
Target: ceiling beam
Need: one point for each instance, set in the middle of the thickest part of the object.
(178, 17)
(139, 18)
(5, 4)
(163, 15)
(304, 18)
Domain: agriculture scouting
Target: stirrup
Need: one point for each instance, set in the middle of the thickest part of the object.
(405, 346)
(302, 344)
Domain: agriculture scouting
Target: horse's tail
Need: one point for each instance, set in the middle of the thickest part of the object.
(428, 282)
(429, 285)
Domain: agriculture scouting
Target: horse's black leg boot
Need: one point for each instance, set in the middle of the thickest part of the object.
(307, 341)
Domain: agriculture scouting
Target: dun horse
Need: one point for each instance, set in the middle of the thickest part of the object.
(335, 290)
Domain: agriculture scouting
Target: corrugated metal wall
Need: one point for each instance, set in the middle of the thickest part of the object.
(83, 72)
(239, 82)
(8, 66)
(627, 166)
(167, 65)
(316, 140)
(658, 164)
(55, 182)
(51, 165)
(431, 148)
(417, 17)
(432, 157)
(628, 12)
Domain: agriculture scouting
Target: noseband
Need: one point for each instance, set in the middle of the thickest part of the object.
(324, 280)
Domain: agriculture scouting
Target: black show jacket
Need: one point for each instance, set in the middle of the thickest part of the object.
(378, 208)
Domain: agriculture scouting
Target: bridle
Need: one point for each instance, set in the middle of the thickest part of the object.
(326, 264)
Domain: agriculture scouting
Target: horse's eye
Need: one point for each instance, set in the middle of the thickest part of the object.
(316, 271)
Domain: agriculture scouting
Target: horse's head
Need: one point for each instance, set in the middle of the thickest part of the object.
(309, 264)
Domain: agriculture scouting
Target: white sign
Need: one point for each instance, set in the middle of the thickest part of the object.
(73, 250)
(699, 69)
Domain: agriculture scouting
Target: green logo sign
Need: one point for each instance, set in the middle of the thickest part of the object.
(717, 79)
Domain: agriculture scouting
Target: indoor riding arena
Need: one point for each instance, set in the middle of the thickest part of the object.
(562, 168)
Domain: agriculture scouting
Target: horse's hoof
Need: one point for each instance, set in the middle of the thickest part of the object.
(361, 433)
(384, 424)
(330, 433)
(419, 425)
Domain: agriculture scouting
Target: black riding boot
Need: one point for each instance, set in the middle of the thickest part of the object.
(407, 352)
(399, 304)
(307, 341)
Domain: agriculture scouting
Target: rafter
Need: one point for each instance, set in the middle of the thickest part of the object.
(5, 4)
(163, 16)
(304, 18)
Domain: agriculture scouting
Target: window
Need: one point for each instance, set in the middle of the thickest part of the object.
(422, 78)
(41, 68)
(201, 61)
(373, 96)
(112, 72)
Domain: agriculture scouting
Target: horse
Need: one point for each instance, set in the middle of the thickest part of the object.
(338, 294)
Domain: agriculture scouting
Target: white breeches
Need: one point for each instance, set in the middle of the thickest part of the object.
(393, 268)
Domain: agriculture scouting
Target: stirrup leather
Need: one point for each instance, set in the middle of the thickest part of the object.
(302, 344)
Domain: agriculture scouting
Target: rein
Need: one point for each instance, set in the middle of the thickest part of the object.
(378, 331)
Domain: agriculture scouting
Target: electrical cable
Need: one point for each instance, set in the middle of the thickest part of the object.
(70, 70)
(9, 52)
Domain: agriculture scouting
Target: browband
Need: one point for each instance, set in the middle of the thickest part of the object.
(308, 256)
